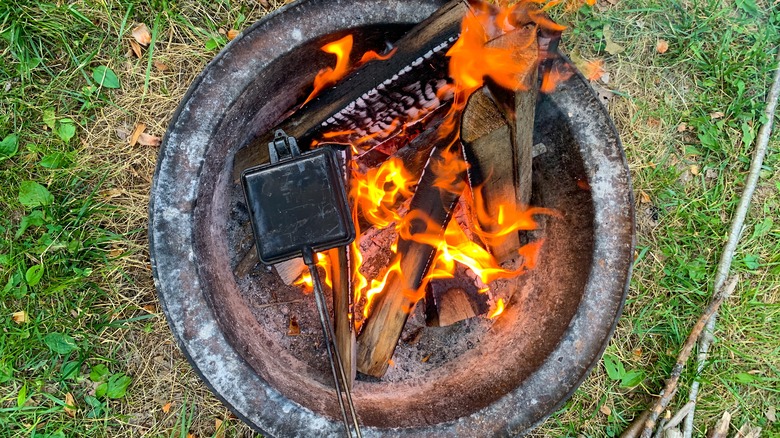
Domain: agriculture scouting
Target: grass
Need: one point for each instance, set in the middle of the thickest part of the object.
(92, 355)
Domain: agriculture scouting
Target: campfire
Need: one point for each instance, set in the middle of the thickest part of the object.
(436, 135)
(488, 191)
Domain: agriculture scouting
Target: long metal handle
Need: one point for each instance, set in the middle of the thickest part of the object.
(334, 357)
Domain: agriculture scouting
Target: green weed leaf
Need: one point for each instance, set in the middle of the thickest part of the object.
(613, 366)
(35, 218)
(751, 262)
(100, 391)
(56, 160)
(66, 130)
(70, 370)
(98, 373)
(763, 228)
(49, 118)
(105, 77)
(60, 343)
(96, 405)
(117, 386)
(34, 275)
(9, 146)
(632, 378)
(6, 372)
(748, 6)
(21, 397)
(744, 378)
(32, 194)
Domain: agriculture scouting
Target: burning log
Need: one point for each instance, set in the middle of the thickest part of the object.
(498, 141)
(377, 95)
(451, 300)
(431, 207)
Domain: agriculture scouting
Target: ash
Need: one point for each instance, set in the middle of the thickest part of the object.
(289, 317)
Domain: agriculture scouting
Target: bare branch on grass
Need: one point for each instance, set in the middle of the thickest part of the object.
(734, 233)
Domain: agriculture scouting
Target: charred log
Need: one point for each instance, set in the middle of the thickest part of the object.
(377, 95)
(382, 330)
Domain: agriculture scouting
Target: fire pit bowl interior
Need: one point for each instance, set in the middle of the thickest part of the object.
(498, 377)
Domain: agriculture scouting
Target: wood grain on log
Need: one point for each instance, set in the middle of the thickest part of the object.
(383, 328)
(341, 271)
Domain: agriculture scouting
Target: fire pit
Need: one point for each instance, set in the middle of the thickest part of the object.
(480, 377)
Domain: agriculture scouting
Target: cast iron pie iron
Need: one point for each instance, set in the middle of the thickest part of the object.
(298, 206)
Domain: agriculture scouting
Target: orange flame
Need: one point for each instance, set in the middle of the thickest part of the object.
(329, 76)
(376, 191)
(498, 310)
(306, 282)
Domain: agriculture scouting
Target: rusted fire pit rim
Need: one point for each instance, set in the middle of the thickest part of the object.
(174, 196)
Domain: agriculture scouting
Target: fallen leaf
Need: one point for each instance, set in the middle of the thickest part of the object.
(139, 129)
(151, 309)
(605, 95)
(604, 409)
(653, 122)
(637, 352)
(771, 414)
(221, 31)
(426, 358)
(644, 198)
(191, 435)
(122, 133)
(612, 47)
(166, 407)
(70, 405)
(293, 329)
(694, 169)
(116, 252)
(20, 317)
(265, 3)
(149, 140)
(682, 127)
(594, 69)
(231, 34)
(142, 35)
(219, 430)
(662, 46)
(136, 48)
(160, 66)
(716, 115)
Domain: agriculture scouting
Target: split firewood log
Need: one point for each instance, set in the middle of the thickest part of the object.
(381, 331)
(497, 133)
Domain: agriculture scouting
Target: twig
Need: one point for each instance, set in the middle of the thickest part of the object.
(671, 384)
(734, 233)
(632, 431)
(722, 426)
(678, 417)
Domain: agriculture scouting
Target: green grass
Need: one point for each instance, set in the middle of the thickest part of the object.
(73, 212)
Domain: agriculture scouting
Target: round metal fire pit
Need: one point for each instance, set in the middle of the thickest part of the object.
(510, 374)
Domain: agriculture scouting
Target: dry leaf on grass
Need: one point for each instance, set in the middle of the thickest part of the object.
(219, 430)
(644, 198)
(612, 47)
(122, 133)
(694, 169)
(716, 115)
(20, 317)
(231, 34)
(265, 3)
(682, 127)
(604, 409)
(166, 407)
(139, 129)
(160, 66)
(136, 48)
(771, 414)
(70, 405)
(604, 94)
(142, 35)
(662, 46)
(149, 140)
